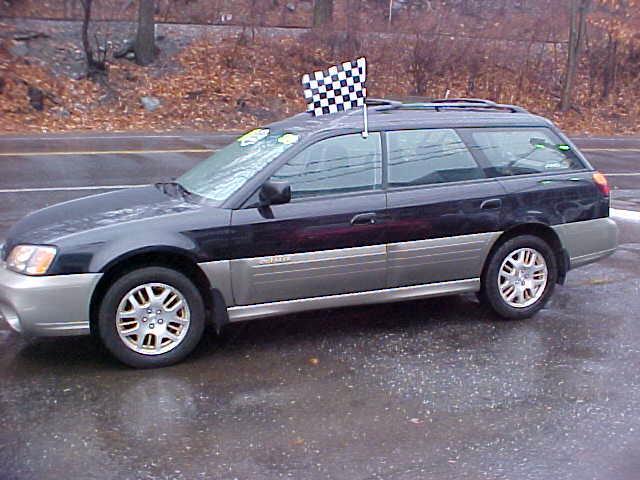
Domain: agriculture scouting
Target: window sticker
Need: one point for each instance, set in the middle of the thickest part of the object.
(288, 138)
(554, 166)
(253, 137)
(564, 148)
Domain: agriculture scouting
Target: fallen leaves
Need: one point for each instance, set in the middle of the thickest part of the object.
(238, 83)
(297, 442)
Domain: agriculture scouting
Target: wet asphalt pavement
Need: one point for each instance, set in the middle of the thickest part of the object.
(437, 389)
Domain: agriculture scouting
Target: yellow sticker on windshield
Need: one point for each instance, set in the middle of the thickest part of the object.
(253, 136)
(288, 138)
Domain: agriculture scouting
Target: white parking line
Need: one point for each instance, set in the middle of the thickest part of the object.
(625, 214)
(615, 150)
(607, 139)
(70, 189)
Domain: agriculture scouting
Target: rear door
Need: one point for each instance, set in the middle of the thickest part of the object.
(444, 214)
(328, 240)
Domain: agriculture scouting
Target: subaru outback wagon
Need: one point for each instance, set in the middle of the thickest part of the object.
(440, 198)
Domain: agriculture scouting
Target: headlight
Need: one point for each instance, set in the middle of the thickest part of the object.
(31, 259)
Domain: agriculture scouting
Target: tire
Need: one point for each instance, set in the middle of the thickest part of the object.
(134, 303)
(498, 284)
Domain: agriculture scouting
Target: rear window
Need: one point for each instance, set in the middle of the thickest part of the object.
(422, 157)
(521, 151)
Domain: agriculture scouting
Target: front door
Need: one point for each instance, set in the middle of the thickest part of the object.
(328, 240)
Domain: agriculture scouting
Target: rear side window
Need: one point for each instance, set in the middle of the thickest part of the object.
(420, 157)
(348, 163)
(521, 151)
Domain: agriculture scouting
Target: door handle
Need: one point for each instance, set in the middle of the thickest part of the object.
(364, 219)
(491, 204)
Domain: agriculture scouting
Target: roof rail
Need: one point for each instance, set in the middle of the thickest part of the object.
(445, 103)
(461, 100)
(480, 101)
(381, 102)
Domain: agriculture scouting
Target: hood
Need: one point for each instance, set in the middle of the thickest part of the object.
(50, 224)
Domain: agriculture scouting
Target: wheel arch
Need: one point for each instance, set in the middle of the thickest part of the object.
(542, 231)
(172, 258)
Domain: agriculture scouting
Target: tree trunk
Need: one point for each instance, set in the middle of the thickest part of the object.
(96, 66)
(611, 67)
(578, 23)
(86, 5)
(145, 44)
(322, 12)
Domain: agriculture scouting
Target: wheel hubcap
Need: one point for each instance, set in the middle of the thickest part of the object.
(522, 277)
(153, 318)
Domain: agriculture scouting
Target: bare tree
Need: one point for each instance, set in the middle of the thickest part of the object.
(322, 12)
(96, 61)
(610, 72)
(145, 43)
(577, 29)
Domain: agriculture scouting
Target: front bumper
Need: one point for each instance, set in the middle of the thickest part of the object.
(52, 305)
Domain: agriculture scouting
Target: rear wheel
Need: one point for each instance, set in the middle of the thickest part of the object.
(520, 277)
(152, 317)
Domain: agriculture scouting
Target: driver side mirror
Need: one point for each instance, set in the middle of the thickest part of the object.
(274, 193)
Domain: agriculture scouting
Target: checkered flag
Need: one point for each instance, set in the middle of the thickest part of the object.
(335, 90)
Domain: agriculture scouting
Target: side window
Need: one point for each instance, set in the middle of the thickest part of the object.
(519, 151)
(348, 163)
(419, 157)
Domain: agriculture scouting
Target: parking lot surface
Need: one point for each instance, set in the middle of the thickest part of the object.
(437, 389)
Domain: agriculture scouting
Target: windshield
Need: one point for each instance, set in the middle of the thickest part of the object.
(219, 176)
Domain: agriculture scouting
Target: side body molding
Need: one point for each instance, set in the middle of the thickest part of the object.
(415, 269)
(310, 274)
(438, 259)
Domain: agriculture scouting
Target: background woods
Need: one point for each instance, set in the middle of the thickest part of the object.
(222, 64)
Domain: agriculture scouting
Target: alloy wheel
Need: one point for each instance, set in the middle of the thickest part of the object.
(153, 318)
(522, 277)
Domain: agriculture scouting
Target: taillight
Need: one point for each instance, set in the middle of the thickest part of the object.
(601, 182)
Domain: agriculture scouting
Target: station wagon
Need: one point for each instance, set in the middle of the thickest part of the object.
(443, 197)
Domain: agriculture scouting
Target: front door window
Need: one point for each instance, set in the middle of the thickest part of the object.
(343, 164)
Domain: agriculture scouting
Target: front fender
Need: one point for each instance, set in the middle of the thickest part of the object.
(129, 247)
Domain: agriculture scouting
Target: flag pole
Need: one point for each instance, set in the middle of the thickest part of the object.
(365, 132)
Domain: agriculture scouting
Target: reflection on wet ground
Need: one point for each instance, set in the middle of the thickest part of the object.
(429, 389)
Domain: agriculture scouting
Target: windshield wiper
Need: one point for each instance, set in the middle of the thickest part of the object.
(178, 189)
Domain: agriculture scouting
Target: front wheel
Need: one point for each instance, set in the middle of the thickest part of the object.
(520, 277)
(152, 317)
